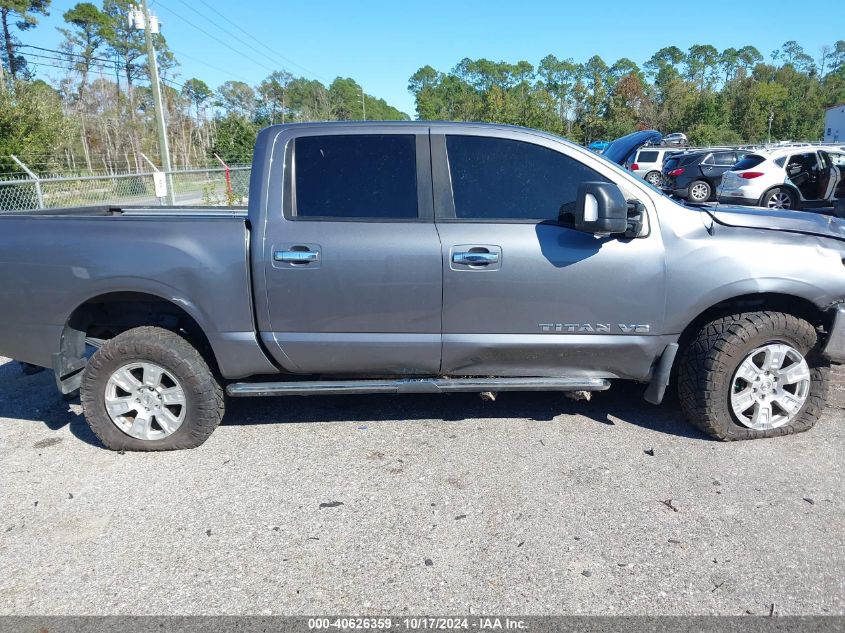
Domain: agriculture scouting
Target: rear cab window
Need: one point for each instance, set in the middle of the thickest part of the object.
(354, 176)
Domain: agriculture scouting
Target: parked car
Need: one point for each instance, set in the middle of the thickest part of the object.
(647, 163)
(416, 257)
(786, 178)
(675, 138)
(695, 175)
(598, 146)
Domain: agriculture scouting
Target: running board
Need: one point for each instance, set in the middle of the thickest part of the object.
(413, 385)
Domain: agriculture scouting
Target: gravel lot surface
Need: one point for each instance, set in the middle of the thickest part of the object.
(533, 504)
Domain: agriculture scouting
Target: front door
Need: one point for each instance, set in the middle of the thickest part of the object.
(353, 272)
(524, 294)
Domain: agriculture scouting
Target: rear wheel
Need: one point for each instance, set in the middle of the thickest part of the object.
(779, 198)
(753, 375)
(654, 177)
(148, 389)
(700, 191)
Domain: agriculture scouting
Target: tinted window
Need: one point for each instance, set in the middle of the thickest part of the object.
(724, 158)
(356, 176)
(647, 157)
(670, 163)
(747, 162)
(501, 179)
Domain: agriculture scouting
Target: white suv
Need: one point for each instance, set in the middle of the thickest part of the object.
(647, 163)
(785, 178)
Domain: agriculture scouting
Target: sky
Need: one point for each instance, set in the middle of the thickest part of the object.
(381, 44)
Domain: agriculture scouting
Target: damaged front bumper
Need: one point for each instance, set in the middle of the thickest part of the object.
(834, 348)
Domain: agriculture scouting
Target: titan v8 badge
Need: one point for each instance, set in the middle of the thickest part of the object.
(596, 328)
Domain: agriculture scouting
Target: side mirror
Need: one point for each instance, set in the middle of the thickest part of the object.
(599, 208)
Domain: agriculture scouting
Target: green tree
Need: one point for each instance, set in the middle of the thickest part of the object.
(23, 14)
(32, 123)
(701, 63)
(125, 43)
(90, 29)
(273, 93)
(236, 98)
(309, 100)
(559, 77)
(234, 138)
(197, 92)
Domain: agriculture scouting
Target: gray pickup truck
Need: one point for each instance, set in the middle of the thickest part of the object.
(425, 258)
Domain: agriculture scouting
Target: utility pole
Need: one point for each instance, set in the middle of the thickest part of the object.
(363, 103)
(771, 118)
(163, 148)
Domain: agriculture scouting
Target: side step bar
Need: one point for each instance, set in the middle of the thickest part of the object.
(413, 385)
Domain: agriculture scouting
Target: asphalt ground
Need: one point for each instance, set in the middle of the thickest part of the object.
(533, 504)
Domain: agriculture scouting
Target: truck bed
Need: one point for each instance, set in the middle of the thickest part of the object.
(111, 210)
(56, 262)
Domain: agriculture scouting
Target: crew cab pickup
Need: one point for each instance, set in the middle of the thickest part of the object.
(423, 257)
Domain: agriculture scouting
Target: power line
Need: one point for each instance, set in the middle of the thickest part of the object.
(252, 37)
(66, 53)
(214, 37)
(108, 64)
(203, 62)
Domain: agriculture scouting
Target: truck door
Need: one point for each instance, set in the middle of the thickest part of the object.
(352, 261)
(522, 293)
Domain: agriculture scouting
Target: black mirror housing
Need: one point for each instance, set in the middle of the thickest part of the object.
(600, 207)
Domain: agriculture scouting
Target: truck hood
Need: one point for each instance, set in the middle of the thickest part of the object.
(803, 222)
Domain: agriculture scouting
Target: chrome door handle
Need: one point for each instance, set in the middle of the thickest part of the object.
(469, 258)
(296, 257)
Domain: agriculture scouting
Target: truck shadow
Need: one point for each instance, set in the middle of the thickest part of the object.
(623, 404)
(34, 399)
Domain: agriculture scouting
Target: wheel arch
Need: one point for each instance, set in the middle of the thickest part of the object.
(792, 189)
(106, 315)
(753, 302)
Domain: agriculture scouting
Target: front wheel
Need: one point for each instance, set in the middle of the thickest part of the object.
(148, 389)
(753, 375)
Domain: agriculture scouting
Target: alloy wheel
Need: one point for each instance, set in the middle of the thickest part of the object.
(770, 387)
(145, 401)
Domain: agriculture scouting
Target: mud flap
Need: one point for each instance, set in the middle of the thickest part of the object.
(660, 379)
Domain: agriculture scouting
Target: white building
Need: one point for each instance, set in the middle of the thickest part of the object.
(834, 124)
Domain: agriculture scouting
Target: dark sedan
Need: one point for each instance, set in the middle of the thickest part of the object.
(695, 175)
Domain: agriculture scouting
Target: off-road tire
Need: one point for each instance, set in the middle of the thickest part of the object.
(709, 361)
(203, 395)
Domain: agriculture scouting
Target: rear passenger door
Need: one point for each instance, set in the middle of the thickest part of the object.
(522, 293)
(717, 165)
(353, 270)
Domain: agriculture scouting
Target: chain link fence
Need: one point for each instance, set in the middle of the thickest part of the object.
(201, 187)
